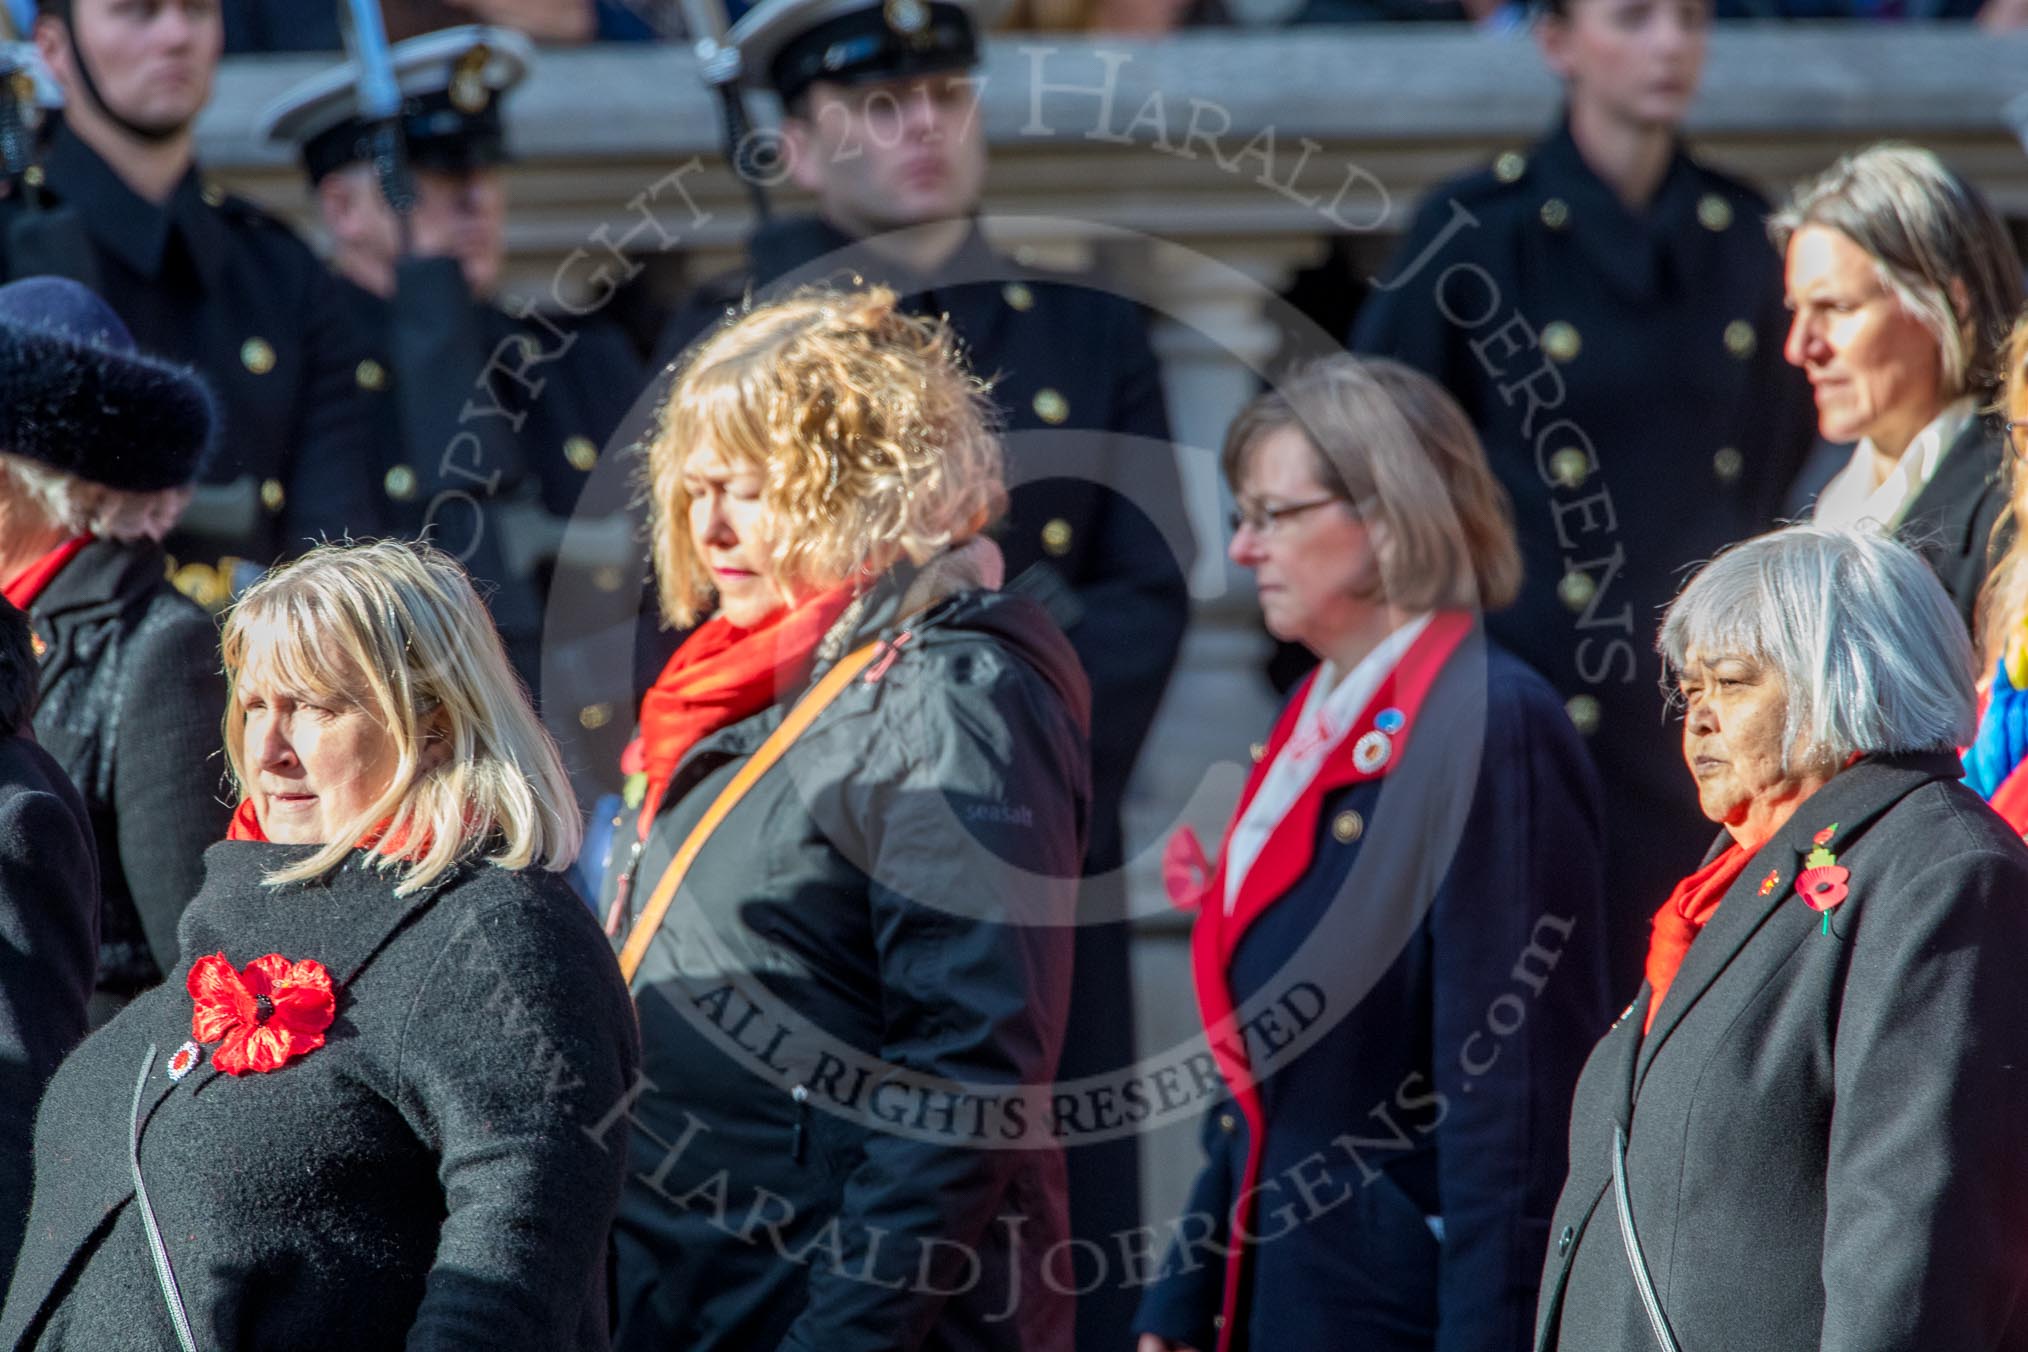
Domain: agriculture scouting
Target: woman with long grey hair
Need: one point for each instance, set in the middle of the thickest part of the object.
(1804, 1132)
(1902, 283)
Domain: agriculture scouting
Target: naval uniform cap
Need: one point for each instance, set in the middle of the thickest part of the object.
(450, 81)
(787, 45)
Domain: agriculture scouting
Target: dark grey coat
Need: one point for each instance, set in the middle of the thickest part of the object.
(131, 704)
(895, 889)
(49, 922)
(1824, 1128)
(424, 1180)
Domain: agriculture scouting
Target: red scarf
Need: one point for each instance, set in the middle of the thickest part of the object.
(29, 582)
(720, 675)
(1686, 912)
(246, 825)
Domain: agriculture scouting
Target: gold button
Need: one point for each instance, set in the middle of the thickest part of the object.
(370, 374)
(1056, 537)
(594, 716)
(1728, 464)
(1584, 712)
(272, 496)
(1570, 467)
(1227, 1123)
(1576, 589)
(1017, 295)
(582, 453)
(1560, 341)
(32, 176)
(1713, 211)
(1348, 827)
(200, 582)
(1555, 214)
(212, 195)
(1258, 751)
(1740, 339)
(400, 483)
(1510, 166)
(607, 578)
(257, 356)
(1050, 406)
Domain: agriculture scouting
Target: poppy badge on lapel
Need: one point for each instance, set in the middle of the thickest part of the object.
(263, 1017)
(184, 1060)
(1371, 751)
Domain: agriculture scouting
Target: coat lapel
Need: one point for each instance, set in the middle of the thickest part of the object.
(1289, 850)
(1851, 801)
(1947, 508)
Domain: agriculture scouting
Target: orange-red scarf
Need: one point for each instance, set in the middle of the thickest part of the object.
(246, 825)
(27, 584)
(1687, 911)
(720, 675)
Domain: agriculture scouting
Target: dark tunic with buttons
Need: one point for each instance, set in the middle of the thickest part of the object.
(211, 280)
(433, 1176)
(1625, 373)
(490, 426)
(1096, 526)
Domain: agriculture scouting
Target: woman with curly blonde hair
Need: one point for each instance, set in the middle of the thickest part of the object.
(841, 892)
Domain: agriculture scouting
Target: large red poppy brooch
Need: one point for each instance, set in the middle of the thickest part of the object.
(1822, 883)
(262, 1018)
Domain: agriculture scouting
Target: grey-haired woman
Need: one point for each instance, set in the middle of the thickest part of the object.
(99, 444)
(1902, 283)
(1804, 1132)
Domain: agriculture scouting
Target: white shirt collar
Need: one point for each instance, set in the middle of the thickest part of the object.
(1855, 495)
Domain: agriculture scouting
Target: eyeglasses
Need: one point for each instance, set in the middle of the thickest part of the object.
(2017, 439)
(1266, 520)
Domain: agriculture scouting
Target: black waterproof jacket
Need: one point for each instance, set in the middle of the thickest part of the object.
(865, 963)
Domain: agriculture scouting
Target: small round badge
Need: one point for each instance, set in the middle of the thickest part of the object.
(184, 1060)
(1370, 752)
(1390, 721)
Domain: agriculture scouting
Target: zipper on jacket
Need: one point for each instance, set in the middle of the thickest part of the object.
(887, 658)
(801, 1133)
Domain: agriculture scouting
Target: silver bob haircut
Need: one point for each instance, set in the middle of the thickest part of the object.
(1928, 231)
(1870, 650)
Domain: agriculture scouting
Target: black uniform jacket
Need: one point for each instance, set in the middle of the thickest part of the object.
(1625, 373)
(1954, 521)
(49, 920)
(214, 281)
(430, 1177)
(881, 918)
(487, 429)
(1095, 494)
(132, 704)
(1823, 1127)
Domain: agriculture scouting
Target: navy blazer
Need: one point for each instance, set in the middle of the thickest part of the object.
(1400, 1003)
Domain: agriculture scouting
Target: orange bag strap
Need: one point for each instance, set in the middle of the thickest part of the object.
(800, 717)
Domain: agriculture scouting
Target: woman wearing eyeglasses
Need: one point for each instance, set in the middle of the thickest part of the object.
(1399, 949)
(1902, 280)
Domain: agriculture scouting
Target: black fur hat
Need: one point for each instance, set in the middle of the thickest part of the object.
(76, 396)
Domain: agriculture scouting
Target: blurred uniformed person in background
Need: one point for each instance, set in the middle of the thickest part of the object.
(487, 424)
(117, 203)
(1609, 312)
(882, 126)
